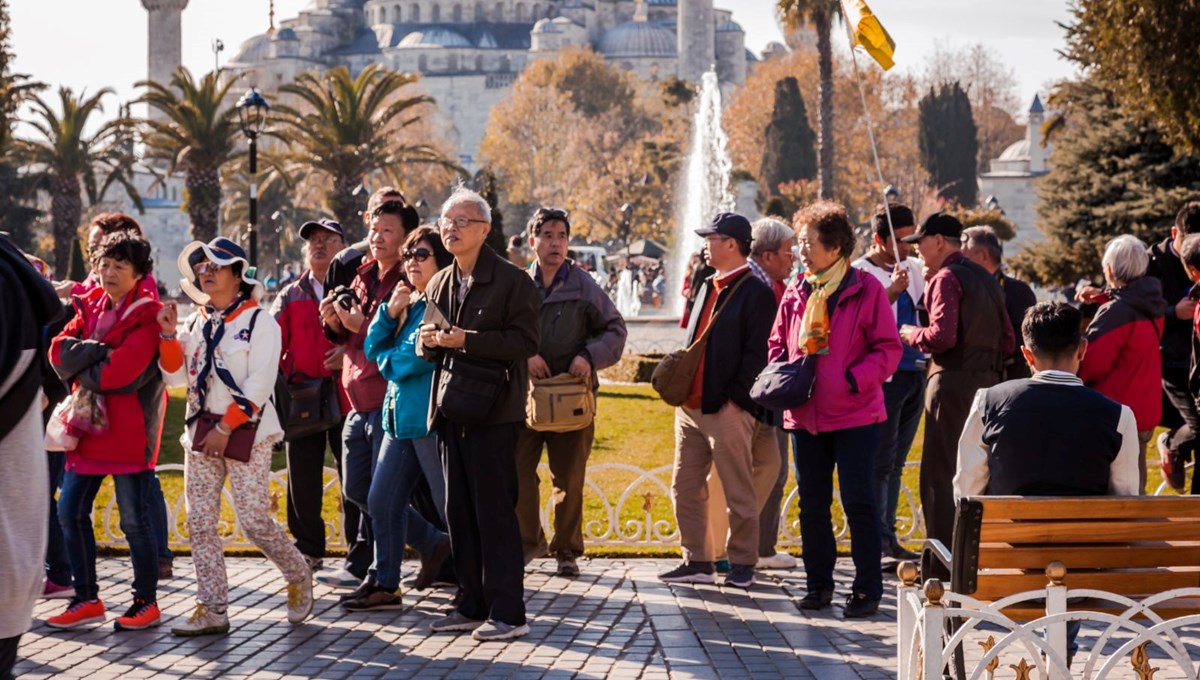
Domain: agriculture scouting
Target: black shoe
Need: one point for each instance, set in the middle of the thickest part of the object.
(899, 552)
(376, 599)
(816, 599)
(740, 576)
(368, 585)
(431, 564)
(690, 572)
(859, 606)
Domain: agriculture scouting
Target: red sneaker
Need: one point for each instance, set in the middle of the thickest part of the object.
(140, 616)
(79, 613)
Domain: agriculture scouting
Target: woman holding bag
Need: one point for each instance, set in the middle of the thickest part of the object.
(112, 423)
(227, 355)
(842, 318)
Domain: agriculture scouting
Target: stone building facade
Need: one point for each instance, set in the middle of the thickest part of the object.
(1012, 180)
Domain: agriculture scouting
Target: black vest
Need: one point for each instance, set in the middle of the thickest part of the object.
(981, 320)
(1049, 440)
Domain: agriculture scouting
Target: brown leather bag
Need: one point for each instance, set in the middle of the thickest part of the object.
(674, 375)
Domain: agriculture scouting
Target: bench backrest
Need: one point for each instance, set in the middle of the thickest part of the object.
(1133, 546)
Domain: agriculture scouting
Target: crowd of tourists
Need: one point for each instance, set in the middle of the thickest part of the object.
(437, 373)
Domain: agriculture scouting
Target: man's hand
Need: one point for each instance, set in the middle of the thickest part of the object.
(580, 368)
(333, 358)
(329, 316)
(1186, 309)
(899, 283)
(352, 319)
(907, 332)
(168, 317)
(1089, 294)
(538, 368)
(214, 443)
(455, 338)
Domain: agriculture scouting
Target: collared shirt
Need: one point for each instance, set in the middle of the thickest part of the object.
(943, 299)
(719, 283)
(560, 277)
(973, 473)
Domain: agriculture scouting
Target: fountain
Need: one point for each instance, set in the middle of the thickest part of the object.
(706, 190)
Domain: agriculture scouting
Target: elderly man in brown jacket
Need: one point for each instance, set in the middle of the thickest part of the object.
(480, 327)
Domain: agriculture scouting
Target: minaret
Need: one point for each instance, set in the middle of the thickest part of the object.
(1037, 153)
(697, 35)
(166, 38)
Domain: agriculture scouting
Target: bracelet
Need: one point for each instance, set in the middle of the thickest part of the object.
(220, 427)
(166, 337)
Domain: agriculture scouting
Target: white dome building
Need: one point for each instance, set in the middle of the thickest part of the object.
(1012, 179)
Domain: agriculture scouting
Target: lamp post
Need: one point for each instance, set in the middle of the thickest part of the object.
(252, 113)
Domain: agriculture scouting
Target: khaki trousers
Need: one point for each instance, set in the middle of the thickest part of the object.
(722, 441)
(767, 461)
(568, 453)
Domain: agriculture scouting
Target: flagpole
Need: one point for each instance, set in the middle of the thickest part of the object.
(887, 210)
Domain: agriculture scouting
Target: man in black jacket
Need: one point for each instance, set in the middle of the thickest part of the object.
(716, 425)
(480, 328)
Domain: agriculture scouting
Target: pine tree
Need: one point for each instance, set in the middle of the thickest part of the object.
(1112, 174)
(790, 152)
(948, 141)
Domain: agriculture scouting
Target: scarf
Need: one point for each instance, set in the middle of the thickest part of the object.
(213, 332)
(814, 325)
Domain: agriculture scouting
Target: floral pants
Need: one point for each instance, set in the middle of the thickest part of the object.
(204, 480)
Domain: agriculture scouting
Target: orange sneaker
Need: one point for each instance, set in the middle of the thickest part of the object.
(140, 616)
(79, 613)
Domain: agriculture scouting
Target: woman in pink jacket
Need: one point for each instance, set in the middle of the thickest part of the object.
(842, 319)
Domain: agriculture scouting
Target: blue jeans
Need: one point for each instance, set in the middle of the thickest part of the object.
(904, 400)
(158, 520)
(362, 439)
(75, 514)
(395, 521)
(852, 452)
(58, 568)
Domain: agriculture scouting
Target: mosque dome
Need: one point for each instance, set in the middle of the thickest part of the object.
(730, 27)
(285, 34)
(545, 26)
(434, 37)
(255, 50)
(638, 39)
(1018, 151)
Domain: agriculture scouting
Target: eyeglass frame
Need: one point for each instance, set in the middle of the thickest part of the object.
(206, 266)
(445, 222)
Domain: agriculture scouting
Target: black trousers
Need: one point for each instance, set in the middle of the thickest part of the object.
(8, 656)
(485, 537)
(1184, 439)
(306, 484)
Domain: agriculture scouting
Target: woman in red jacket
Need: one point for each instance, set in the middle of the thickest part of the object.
(106, 354)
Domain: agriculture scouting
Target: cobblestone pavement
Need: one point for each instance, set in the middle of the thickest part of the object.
(617, 620)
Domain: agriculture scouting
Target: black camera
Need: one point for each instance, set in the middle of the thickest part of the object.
(345, 297)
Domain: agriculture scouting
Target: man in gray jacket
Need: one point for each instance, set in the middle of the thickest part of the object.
(582, 332)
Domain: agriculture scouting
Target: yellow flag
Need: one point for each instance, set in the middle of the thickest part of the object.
(866, 30)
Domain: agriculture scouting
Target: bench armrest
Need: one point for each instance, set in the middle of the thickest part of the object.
(936, 561)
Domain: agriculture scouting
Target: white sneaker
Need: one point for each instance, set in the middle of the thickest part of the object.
(203, 621)
(497, 631)
(779, 560)
(300, 600)
(339, 578)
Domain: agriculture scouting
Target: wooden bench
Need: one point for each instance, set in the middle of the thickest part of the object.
(1136, 547)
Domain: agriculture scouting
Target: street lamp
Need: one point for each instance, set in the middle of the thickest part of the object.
(252, 112)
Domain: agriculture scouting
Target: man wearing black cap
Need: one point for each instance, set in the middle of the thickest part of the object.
(308, 355)
(716, 425)
(967, 340)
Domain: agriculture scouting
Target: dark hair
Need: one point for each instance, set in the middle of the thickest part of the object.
(832, 224)
(409, 218)
(1190, 252)
(1187, 220)
(382, 195)
(244, 289)
(1052, 329)
(902, 216)
(431, 236)
(115, 222)
(543, 215)
(516, 241)
(125, 246)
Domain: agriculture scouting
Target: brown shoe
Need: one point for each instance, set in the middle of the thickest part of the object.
(431, 564)
(566, 565)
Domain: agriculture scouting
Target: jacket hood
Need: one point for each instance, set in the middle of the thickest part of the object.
(1145, 295)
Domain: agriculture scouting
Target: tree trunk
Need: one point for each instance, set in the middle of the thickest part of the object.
(348, 206)
(823, 20)
(204, 201)
(66, 209)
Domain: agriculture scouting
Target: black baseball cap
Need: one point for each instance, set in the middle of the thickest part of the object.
(732, 225)
(307, 228)
(937, 224)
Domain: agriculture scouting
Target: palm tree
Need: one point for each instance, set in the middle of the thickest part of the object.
(70, 161)
(820, 15)
(199, 133)
(348, 128)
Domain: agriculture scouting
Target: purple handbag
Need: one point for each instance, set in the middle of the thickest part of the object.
(785, 385)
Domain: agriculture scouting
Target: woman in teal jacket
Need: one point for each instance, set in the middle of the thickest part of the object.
(408, 450)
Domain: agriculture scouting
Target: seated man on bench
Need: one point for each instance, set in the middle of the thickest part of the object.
(1048, 435)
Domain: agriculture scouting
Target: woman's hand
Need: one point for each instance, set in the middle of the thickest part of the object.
(329, 314)
(168, 317)
(400, 300)
(214, 443)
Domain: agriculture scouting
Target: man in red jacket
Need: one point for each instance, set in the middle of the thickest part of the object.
(307, 354)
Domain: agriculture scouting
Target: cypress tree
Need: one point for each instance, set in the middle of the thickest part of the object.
(486, 185)
(790, 153)
(947, 138)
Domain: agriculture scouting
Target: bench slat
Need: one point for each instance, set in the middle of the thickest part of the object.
(993, 585)
(1023, 507)
(1088, 532)
(1139, 554)
(1169, 609)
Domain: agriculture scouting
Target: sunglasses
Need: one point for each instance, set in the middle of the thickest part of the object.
(418, 254)
(208, 268)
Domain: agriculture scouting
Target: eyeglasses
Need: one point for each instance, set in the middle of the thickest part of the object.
(208, 268)
(458, 222)
(418, 254)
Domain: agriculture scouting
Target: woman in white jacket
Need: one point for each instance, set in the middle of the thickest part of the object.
(227, 355)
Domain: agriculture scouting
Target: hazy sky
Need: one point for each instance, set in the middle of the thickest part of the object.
(96, 43)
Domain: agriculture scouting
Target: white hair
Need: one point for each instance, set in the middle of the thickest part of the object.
(769, 234)
(464, 195)
(1126, 257)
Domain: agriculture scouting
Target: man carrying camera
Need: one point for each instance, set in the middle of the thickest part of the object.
(345, 312)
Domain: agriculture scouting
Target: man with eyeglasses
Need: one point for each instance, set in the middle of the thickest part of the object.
(345, 320)
(582, 333)
(482, 318)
